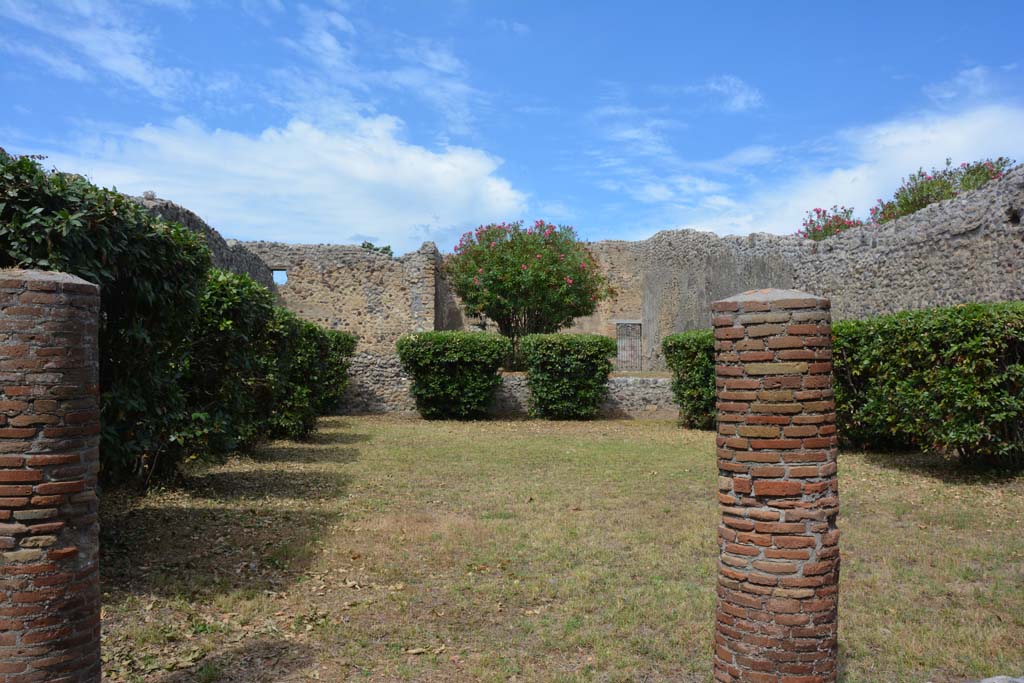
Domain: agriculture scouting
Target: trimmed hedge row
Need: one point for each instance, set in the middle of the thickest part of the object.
(943, 380)
(567, 374)
(257, 370)
(189, 357)
(454, 374)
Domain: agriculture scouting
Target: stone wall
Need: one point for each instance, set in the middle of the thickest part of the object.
(967, 249)
(226, 254)
(373, 295)
(628, 397)
(49, 460)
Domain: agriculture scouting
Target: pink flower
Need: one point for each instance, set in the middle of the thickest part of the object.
(523, 266)
(480, 270)
(568, 280)
(583, 266)
(539, 256)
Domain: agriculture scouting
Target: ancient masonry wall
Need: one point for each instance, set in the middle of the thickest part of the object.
(778, 572)
(967, 249)
(378, 385)
(375, 296)
(227, 255)
(49, 458)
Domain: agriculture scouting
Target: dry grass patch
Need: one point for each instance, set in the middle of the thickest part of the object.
(400, 550)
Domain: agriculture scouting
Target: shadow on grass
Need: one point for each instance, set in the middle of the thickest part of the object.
(249, 527)
(948, 469)
(259, 661)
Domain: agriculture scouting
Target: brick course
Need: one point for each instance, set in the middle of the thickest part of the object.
(778, 575)
(49, 437)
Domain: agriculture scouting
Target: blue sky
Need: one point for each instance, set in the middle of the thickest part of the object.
(400, 122)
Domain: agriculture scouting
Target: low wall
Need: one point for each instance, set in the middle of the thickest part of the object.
(378, 385)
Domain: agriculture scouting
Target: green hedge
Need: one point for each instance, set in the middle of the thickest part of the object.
(193, 361)
(948, 379)
(945, 380)
(256, 370)
(150, 274)
(454, 374)
(691, 358)
(567, 374)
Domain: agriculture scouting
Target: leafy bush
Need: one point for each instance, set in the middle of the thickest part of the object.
(193, 361)
(454, 374)
(822, 223)
(567, 374)
(691, 358)
(945, 380)
(917, 191)
(948, 379)
(536, 280)
(150, 274)
(226, 382)
(927, 187)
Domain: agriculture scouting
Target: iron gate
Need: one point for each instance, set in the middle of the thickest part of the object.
(630, 343)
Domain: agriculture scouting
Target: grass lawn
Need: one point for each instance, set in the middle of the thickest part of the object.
(393, 549)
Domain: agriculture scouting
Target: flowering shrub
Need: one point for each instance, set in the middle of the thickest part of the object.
(533, 280)
(917, 191)
(822, 223)
(923, 188)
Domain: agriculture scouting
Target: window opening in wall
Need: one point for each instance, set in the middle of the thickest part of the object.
(280, 276)
(630, 345)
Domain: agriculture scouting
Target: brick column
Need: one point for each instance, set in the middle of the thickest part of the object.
(49, 450)
(778, 570)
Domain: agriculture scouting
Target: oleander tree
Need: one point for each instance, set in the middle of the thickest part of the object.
(529, 280)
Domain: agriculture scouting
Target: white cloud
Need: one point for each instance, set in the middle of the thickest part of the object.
(737, 95)
(973, 83)
(98, 32)
(303, 183)
(878, 157)
(516, 27)
(57, 62)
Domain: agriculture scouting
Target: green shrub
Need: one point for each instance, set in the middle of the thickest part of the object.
(691, 358)
(567, 374)
(454, 374)
(193, 361)
(226, 379)
(948, 380)
(150, 274)
(927, 187)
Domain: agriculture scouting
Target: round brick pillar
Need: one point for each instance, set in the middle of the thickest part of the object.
(778, 570)
(49, 457)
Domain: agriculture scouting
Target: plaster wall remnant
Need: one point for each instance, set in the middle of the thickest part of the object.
(226, 254)
(778, 570)
(49, 518)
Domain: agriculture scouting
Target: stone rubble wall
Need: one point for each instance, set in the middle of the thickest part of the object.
(226, 254)
(378, 385)
(967, 249)
(375, 296)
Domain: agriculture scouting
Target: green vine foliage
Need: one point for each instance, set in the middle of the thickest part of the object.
(454, 374)
(945, 380)
(691, 358)
(567, 374)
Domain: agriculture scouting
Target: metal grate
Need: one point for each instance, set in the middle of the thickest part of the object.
(630, 346)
